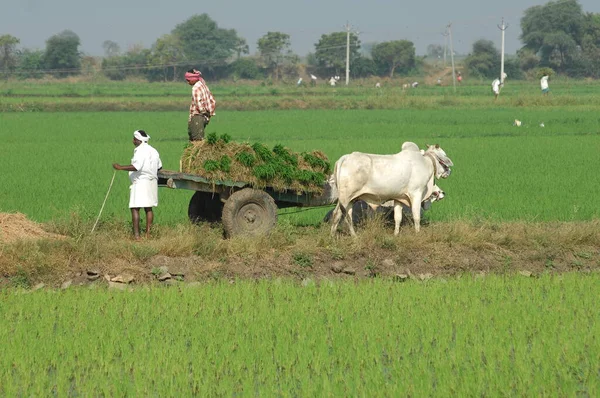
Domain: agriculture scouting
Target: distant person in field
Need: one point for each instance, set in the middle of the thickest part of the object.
(202, 107)
(496, 87)
(459, 77)
(143, 174)
(544, 84)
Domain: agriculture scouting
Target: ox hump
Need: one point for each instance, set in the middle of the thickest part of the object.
(410, 146)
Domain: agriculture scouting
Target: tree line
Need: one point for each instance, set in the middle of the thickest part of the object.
(217, 52)
(557, 36)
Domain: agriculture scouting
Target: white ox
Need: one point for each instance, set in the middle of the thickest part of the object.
(405, 178)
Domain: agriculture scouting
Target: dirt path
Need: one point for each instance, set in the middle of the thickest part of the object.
(190, 253)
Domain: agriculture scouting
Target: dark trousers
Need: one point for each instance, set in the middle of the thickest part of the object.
(196, 127)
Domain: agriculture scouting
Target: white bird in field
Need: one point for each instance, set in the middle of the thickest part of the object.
(542, 124)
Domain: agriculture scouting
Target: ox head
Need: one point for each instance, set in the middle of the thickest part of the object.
(443, 161)
(437, 194)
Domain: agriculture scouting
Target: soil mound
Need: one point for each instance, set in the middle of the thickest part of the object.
(16, 226)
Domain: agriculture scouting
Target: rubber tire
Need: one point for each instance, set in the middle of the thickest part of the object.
(205, 207)
(249, 212)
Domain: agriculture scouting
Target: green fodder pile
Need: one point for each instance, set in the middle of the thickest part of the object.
(220, 159)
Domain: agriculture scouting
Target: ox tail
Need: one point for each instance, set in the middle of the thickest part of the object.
(333, 179)
(331, 189)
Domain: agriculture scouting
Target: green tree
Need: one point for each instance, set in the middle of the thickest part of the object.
(590, 45)
(484, 60)
(366, 48)
(166, 53)
(245, 68)
(62, 54)
(554, 31)
(392, 55)
(134, 63)
(311, 60)
(527, 59)
(111, 48)
(8, 54)
(137, 61)
(114, 67)
(241, 47)
(205, 45)
(274, 49)
(30, 64)
(591, 27)
(363, 67)
(330, 52)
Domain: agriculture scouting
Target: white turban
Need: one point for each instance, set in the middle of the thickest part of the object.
(138, 136)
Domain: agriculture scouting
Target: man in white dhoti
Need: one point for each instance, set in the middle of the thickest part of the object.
(144, 180)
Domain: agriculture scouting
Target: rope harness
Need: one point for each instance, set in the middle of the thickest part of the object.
(434, 161)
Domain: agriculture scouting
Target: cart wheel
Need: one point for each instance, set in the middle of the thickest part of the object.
(204, 206)
(249, 212)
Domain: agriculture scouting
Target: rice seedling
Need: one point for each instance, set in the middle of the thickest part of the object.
(465, 336)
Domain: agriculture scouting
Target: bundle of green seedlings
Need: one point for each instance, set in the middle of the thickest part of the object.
(220, 159)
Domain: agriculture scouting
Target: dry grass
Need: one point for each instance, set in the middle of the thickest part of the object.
(16, 226)
(440, 249)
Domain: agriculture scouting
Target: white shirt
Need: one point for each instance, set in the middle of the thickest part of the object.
(147, 161)
(496, 85)
(544, 82)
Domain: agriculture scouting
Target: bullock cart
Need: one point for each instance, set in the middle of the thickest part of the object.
(242, 209)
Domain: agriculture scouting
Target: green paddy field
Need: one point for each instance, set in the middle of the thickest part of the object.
(60, 162)
(293, 327)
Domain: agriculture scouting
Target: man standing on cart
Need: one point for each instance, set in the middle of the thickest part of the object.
(202, 107)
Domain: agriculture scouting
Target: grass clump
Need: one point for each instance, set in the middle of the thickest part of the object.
(246, 158)
(302, 259)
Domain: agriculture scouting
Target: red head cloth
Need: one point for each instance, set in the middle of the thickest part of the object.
(193, 76)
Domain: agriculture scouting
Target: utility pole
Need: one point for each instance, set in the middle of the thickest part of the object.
(445, 34)
(452, 55)
(502, 28)
(347, 52)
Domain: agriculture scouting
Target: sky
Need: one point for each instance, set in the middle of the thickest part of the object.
(135, 22)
